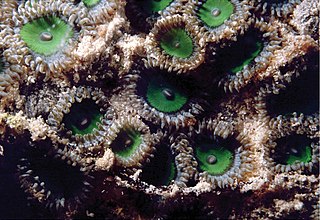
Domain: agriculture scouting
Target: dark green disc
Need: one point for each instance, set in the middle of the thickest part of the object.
(293, 149)
(303, 155)
(153, 6)
(248, 57)
(241, 53)
(46, 35)
(83, 117)
(126, 142)
(161, 170)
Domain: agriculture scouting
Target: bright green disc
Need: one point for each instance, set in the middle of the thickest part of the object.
(83, 117)
(126, 143)
(90, 3)
(176, 42)
(214, 12)
(304, 155)
(153, 6)
(46, 35)
(164, 96)
(215, 160)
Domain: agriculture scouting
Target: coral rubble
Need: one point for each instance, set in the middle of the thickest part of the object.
(159, 109)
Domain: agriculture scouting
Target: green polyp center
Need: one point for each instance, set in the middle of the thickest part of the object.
(293, 149)
(214, 12)
(153, 6)
(127, 142)
(46, 35)
(241, 54)
(161, 169)
(176, 42)
(165, 96)
(304, 154)
(83, 117)
(213, 159)
(90, 3)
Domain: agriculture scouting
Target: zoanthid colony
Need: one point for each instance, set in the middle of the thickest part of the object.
(159, 109)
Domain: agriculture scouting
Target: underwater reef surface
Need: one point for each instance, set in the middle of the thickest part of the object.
(159, 109)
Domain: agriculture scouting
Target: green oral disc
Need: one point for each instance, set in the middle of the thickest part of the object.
(90, 3)
(302, 155)
(153, 6)
(176, 42)
(83, 117)
(46, 35)
(164, 96)
(214, 12)
(126, 143)
(214, 159)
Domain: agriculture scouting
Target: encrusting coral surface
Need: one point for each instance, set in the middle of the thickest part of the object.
(159, 109)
